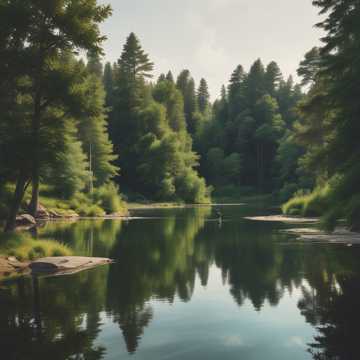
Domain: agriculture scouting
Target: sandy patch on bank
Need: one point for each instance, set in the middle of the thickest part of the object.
(284, 219)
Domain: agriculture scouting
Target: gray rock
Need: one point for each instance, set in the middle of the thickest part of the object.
(62, 265)
(25, 220)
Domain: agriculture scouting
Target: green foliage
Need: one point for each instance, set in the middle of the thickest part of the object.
(44, 36)
(186, 85)
(248, 126)
(203, 96)
(93, 131)
(312, 204)
(192, 189)
(69, 172)
(25, 247)
(109, 198)
(134, 63)
(149, 129)
(330, 113)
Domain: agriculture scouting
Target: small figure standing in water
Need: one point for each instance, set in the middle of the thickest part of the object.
(219, 216)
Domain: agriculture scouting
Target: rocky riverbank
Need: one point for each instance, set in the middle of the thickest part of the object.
(27, 221)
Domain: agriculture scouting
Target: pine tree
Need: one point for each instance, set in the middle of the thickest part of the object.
(273, 77)
(108, 81)
(203, 96)
(309, 67)
(236, 91)
(131, 96)
(93, 132)
(255, 83)
(134, 63)
(161, 78)
(94, 65)
(186, 84)
(170, 77)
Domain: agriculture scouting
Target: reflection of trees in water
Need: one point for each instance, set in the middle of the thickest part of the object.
(249, 259)
(59, 318)
(331, 303)
(52, 319)
(132, 323)
(156, 259)
(85, 237)
(161, 259)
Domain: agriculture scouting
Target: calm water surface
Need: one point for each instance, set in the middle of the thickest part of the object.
(186, 287)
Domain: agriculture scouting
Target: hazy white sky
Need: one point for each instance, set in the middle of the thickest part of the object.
(211, 37)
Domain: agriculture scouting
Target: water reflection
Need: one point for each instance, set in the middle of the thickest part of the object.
(165, 260)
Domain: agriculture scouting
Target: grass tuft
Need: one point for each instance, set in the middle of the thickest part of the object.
(24, 247)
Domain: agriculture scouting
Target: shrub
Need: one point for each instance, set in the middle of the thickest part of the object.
(192, 189)
(313, 204)
(108, 198)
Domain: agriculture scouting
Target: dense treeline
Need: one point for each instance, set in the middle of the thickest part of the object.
(329, 125)
(81, 128)
(148, 127)
(244, 143)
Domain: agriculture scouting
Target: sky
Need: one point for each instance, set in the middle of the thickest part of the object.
(212, 37)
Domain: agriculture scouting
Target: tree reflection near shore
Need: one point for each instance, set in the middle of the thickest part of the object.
(166, 259)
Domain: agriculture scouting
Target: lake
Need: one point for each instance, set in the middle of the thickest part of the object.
(184, 286)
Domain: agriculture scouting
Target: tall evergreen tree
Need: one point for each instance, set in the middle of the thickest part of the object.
(108, 81)
(310, 66)
(273, 77)
(94, 64)
(236, 91)
(255, 83)
(93, 131)
(186, 84)
(134, 63)
(203, 96)
(170, 77)
(161, 78)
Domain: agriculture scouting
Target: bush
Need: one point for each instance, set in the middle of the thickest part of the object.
(313, 204)
(90, 210)
(109, 199)
(192, 189)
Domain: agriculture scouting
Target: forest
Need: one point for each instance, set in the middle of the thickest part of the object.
(80, 135)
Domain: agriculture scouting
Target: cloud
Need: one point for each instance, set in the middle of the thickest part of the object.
(296, 341)
(233, 341)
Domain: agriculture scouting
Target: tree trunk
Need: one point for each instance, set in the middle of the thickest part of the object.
(18, 197)
(34, 203)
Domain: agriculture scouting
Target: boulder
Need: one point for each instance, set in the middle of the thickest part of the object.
(62, 265)
(25, 220)
(53, 214)
(42, 212)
